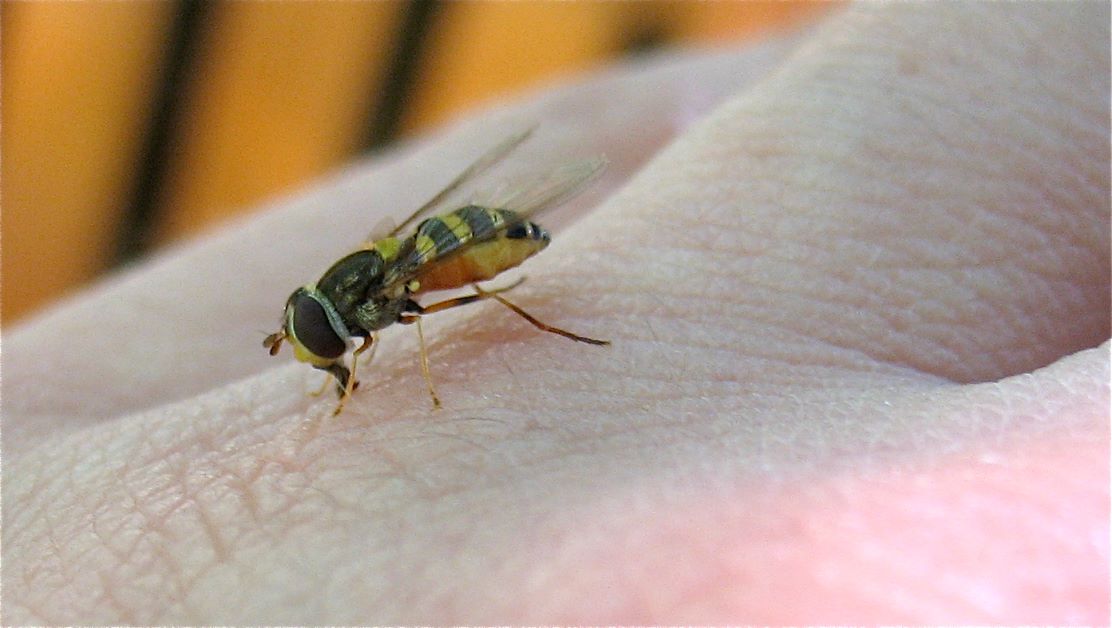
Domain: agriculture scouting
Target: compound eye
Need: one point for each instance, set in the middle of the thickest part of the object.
(520, 231)
(312, 329)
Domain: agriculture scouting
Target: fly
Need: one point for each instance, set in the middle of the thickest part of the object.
(377, 285)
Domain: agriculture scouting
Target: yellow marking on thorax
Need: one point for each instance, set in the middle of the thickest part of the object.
(387, 247)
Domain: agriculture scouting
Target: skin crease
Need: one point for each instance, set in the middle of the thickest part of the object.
(860, 315)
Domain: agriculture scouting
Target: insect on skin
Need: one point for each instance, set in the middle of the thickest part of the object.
(375, 286)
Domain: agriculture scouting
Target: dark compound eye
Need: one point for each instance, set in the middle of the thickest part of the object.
(520, 231)
(526, 230)
(312, 329)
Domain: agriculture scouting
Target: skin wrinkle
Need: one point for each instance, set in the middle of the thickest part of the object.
(764, 360)
(52, 559)
(156, 523)
(697, 275)
(1100, 133)
(820, 299)
(123, 610)
(155, 534)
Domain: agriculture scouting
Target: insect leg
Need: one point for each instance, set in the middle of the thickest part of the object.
(409, 319)
(425, 365)
(338, 371)
(482, 294)
(371, 355)
(323, 386)
(412, 306)
(350, 383)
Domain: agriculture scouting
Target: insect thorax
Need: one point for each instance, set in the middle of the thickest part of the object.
(353, 285)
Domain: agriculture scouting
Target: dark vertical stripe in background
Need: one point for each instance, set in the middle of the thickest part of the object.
(150, 172)
(389, 99)
(387, 107)
(645, 37)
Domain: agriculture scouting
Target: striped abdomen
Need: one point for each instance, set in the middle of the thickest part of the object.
(471, 244)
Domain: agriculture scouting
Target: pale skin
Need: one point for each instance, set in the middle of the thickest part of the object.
(859, 373)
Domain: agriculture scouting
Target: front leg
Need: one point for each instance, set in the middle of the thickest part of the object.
(342, 375)
(345, 379)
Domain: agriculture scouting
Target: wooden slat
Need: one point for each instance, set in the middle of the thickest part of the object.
(720, 22)
(277, 99)
(77, 80)
(480, 50)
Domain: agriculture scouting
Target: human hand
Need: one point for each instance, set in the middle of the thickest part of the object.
(830, 302)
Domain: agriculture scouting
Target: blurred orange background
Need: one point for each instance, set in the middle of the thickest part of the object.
(128, 125)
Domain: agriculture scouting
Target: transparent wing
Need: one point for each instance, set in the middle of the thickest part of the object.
(480, 165)
(544, 191)
(523, 200)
